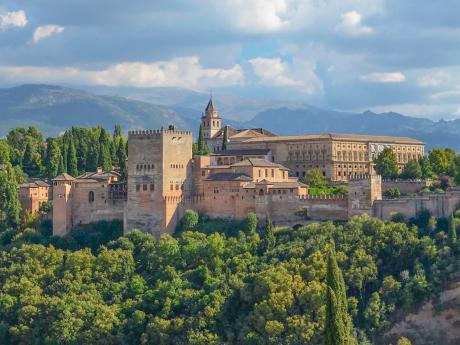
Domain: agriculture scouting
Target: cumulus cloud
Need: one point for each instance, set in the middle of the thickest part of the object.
(351, 25)
(186, 72)
(46, 31)
(13, 19)
(259, 15)
(275, 72)
(376, 77)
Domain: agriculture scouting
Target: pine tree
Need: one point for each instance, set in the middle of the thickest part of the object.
(225, 138)
(9, 199)
(53, 158)
(201, 143)
(337, 329)
(269, 240)
(72, 158)
(452, 231)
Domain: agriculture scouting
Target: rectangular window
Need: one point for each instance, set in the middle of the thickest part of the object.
(152, 187)
(144, 187)
(138, 187)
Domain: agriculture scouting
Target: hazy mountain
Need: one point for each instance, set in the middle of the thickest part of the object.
(54, 108)
(314, 120)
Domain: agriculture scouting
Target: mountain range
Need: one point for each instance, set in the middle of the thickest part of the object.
(54, 108)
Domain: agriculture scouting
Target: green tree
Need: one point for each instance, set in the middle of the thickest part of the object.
(121, 157)
(4, 152)
(314, 178)
(338, 327)
(440, 160)
(251, 222)
(427, 171)
(104, 157)
(452, 231)
(225, 138)
(386, 164)
(72, 168)
(392, 193)
(9, 199)
(412, 170)
(31, 160)
(200, 143)
(189, 220)
(53, 158)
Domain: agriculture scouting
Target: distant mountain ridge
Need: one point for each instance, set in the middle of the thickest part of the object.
(54, 108)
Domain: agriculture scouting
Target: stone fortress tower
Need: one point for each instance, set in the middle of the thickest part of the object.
(62, 207)
(159, 171)
(211, 121)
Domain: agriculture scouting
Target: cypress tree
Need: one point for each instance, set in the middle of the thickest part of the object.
(53, 158)
(29, 163)
(9, 199)
(64, 151)
(104, 158)
(225, 138)
(452, 231)
(121, 156)
(337, 329)
(61, 167)
(201, 142)
(72, 158)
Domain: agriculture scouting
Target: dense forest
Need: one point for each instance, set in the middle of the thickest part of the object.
(256, 285)
(76, 151)
(212, 281)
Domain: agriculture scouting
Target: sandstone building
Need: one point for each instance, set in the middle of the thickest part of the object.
(254, 171)
(33, 195)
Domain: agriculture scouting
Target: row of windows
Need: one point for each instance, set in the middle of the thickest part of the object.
(145, 187)
(176, 166)
(144, 167)
(298, 156)
(266, 172)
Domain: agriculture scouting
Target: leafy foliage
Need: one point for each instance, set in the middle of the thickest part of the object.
(249, 288)
(386, 164)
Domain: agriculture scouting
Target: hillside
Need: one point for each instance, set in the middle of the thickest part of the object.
(54, 108)
(315, 120)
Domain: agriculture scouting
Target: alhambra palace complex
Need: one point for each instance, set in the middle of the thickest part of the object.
(256, 171)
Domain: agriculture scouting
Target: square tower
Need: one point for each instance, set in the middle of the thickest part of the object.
(159, 177)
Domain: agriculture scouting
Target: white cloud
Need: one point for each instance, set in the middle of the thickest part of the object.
(13, 19)
(45, 31)
(184, 72)
(274, 72)
(392, 77)
(258, 15)
(351, 25)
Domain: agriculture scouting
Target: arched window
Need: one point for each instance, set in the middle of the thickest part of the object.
(91, 196)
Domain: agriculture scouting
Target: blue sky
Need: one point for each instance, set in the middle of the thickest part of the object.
(384, 55)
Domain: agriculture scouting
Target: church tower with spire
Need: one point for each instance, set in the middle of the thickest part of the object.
(211, 121)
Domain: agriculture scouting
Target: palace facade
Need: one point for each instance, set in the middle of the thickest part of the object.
(253, 171)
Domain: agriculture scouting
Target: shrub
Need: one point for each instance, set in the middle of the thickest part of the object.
(392, 193)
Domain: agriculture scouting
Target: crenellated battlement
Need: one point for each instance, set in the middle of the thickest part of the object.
(323, 197)
(156, 132)
(363, 177)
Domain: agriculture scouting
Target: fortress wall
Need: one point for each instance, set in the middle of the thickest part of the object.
(439, 205)
(405, 186)
(102, 208)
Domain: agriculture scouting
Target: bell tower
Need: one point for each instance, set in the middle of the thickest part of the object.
(211, 121)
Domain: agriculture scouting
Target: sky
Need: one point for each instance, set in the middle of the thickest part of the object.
(382, 55)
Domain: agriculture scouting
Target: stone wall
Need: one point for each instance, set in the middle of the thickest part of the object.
(405, 186)
(439, 205)
(101, 208)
